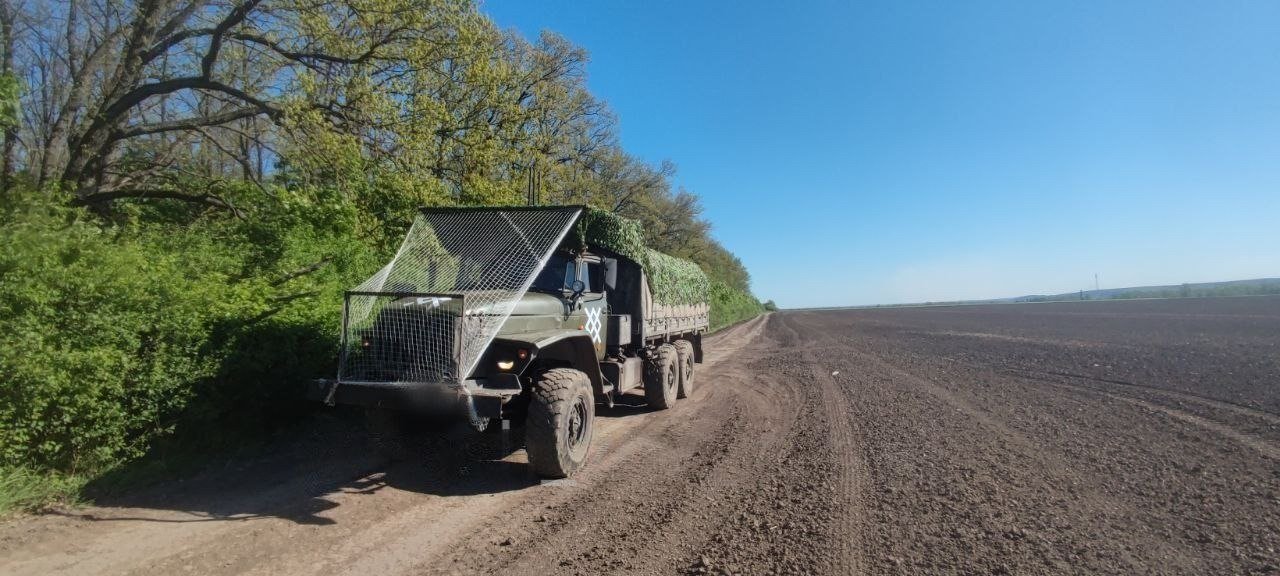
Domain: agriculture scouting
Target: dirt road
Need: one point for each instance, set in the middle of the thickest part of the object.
(1099, 438)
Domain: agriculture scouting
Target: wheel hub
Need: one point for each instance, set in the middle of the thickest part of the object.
(577, 423)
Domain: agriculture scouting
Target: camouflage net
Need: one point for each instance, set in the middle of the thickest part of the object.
(673, 281)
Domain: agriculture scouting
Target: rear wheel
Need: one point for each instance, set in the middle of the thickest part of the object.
(661, 380)
(560, 421)
(685, 362)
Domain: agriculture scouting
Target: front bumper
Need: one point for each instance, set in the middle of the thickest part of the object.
(484, 397)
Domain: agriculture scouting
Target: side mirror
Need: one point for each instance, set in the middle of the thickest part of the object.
(610, 267)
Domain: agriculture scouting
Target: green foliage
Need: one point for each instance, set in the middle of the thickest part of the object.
(9, 92)
(99, 341)
(23, 489)
(729, 305)
(671, 280)
(770, 306)
(1234, 288)
(1205, 290)
(119, 337)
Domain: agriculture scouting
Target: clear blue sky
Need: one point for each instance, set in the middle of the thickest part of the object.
(878, 152)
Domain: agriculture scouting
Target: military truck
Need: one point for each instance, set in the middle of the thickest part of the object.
(533, 315)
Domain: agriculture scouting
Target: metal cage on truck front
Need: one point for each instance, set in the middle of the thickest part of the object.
(407, 337)
(430, 313)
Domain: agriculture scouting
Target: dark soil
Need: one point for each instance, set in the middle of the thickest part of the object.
(1137, 437)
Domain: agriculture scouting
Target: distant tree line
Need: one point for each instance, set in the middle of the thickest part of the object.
(1259, 287)
(188, 185)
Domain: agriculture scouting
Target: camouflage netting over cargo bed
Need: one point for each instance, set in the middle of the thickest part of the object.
(671, 280)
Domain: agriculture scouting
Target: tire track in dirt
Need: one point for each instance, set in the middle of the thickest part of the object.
(1269, 418)
(765, 501)
(789, 515)
(849, 448)
(1261, 445)
(959, 488)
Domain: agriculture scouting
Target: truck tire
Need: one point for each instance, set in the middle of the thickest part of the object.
(684, 363)
(661, 379)
(560, 422)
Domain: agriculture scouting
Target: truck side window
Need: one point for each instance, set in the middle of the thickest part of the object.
(570, 274)
(584, 274)
(595, 277)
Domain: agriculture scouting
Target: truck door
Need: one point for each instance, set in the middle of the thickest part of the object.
(593, 303)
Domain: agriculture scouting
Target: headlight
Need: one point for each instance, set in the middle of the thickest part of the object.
(506, 364)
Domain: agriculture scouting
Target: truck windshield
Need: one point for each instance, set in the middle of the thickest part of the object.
(556, 276)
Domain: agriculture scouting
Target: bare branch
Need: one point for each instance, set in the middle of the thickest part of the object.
(173, 40)
(141, 93)
(205, 199)
(234, 18)
(299, 56)
(192, 123)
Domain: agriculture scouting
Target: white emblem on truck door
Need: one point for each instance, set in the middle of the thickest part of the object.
(593, 323)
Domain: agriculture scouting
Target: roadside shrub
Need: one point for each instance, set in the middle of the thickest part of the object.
(730, 305)
(194, 332)
(102, 337)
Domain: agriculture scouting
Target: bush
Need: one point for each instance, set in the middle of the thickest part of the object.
(103, 337)
(117, 338)
(730, 305)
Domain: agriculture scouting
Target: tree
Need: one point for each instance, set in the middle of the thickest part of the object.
(134, 91)
(8, 94)
(370, 106)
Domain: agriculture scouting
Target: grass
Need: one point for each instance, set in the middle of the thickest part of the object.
(24, 490)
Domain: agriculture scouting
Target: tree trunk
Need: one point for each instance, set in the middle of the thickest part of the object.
(10, 136)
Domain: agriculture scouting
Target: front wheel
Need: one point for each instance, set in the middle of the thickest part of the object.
(559, 424)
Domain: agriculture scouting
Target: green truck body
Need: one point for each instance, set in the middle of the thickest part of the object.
(564, 310)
